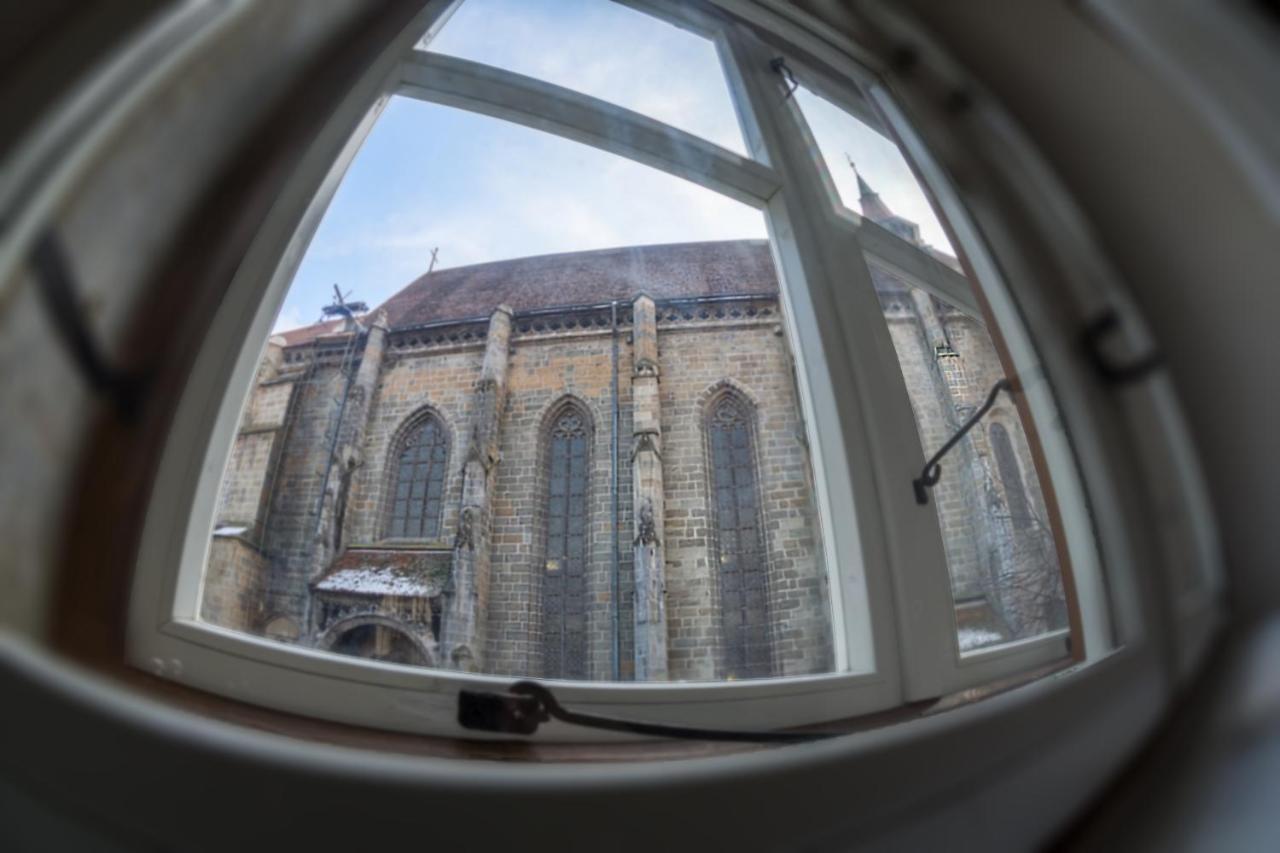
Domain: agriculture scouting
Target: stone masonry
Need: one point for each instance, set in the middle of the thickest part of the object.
(485, 361)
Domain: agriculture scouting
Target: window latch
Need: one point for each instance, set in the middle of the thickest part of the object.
(528, 704)
(932, 472)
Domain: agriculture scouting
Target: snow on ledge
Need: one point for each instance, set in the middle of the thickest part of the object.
(975, 638)
(376, 580)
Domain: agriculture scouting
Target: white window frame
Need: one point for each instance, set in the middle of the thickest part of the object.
(891, 596)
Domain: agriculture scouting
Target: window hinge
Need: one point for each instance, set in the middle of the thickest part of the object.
(779, 65)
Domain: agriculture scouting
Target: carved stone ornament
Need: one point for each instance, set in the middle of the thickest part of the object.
(646, 441)
(646, 367)
(648, 534)
(465, 537)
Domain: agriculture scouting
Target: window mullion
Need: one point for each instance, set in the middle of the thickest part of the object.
(862, 414)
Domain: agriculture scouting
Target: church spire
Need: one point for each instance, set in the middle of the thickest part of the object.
(872, 207)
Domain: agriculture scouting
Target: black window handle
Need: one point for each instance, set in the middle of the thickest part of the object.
(932, 472)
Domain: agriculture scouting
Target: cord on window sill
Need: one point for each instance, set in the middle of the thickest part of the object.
(528, 704)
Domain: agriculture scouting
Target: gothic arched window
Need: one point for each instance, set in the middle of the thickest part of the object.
(739, 542)
(1010, 475)
(417, 485)
(564, 577)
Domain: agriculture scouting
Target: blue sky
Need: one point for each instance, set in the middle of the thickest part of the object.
(481, 189)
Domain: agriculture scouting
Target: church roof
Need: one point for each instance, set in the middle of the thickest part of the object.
(586, 278)
(667, 271)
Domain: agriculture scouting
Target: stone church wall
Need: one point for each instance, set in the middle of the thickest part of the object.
(233, 595)
(753, 359)
(705, 348)
(545, 370)
(442, 381)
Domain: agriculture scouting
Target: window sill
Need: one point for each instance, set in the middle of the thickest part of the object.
(218, 707)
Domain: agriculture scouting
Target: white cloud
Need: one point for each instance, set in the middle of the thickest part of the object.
(483, 190)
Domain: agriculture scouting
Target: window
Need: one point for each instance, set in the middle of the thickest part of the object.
(417, 487)
(564, 579)
(743, 577)
(605, 50)
(682, 462)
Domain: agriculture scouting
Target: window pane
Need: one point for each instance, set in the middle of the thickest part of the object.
(851, 149)
(605, 50)
(1001, 552)
(1000, 546)
(478, 443)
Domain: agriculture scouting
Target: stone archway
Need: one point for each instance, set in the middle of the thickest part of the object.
(377, 638)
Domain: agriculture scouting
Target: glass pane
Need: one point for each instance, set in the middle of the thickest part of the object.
(713, 476)
(888, 192)
(1000, 548)
(605, 50)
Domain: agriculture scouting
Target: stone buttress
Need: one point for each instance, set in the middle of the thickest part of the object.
(648, 504)
(467, 591)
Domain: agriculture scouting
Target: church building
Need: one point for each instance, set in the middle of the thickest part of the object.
(595, 466)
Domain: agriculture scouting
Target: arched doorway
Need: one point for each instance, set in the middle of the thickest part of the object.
(377, 641)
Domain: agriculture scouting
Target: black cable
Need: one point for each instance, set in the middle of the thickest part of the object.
(528, 704)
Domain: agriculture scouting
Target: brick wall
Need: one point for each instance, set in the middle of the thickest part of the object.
(289, 532)
(232, 595)
(547, 367)
(753, 358)
(412, 381)
(543, 371)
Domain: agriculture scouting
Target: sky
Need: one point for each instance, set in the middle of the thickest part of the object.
(481, 189)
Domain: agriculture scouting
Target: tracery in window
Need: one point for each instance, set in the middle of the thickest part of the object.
(417, 489)
(564, 575)
(739, 541)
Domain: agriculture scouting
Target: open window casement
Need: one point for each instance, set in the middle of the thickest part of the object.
(899, 591)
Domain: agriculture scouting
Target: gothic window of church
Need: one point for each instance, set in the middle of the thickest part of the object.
(739, 547)
(1015, 495)
(417, 487)
(564, 580)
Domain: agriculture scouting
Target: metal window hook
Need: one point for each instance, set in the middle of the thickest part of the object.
(1111, 371)
(58, 293)
(932, 472)
(779, 64)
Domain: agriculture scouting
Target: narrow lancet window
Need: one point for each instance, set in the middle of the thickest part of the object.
(564, 581)
(739, 543)
(417, 490)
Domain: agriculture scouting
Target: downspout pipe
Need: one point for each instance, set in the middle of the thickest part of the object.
(613, 494)
(358, 336)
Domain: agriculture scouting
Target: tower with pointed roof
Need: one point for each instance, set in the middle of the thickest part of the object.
(875, 209)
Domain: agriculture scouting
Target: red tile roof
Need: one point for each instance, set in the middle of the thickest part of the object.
(294, 337)
(576, 278)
